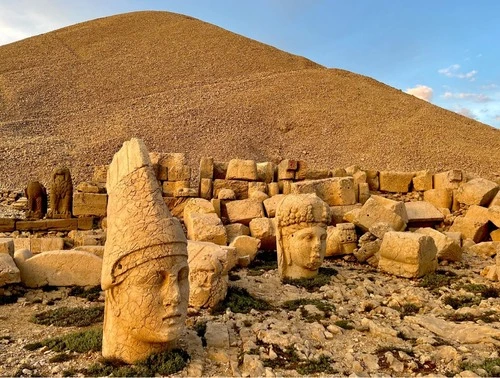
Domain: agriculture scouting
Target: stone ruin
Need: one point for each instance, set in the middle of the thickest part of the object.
(402, 223)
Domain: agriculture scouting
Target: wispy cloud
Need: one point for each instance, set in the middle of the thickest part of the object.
(497, 118)
(421, 91)
(476, 97)
(453, 71)
(488, 87)
(466, 112)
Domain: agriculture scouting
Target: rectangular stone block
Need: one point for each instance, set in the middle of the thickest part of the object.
(494, 202)
(423, 181)
(22, 243)
(240, 188)
(470, 228)
(265, 172)
(9, 273)
(264, 230)
(46, 244)
(85, 223)
(168, 188)
(220, 169)
(85, 204)
(206, 188)
(243, 211)
(494, 215)
(337, 212)
(422, 212)
(286, 169)
(7, 246)
(234, 230)
(334, 191)
(285, 186)
(7, 225)
(440, 198)
(448, 180)
(179, 173)
(271, 203)
(381, 210)
(186, 192)
(395, 182)
(273, 189)
(48, 225)
(207, 168)
(257, 186)
(176, 205)
(205, 227)
(407, 254)
(477, 192)
(372, 179)
(239, 169)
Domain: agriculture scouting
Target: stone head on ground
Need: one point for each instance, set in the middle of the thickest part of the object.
(302, 220)
(145, 271)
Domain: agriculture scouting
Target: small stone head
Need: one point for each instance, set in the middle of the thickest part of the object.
(302, 220)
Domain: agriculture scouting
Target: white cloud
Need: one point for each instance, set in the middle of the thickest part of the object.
(476, 97)
(467, 113)
(453, 71)
(421, 91)
(497, 118)
(489, 87)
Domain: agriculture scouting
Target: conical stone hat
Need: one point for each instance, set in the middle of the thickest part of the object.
(138, 217)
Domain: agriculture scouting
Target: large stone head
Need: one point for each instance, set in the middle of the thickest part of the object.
(145, 272)
(302, 220)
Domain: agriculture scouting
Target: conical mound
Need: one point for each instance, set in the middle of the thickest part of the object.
(73, 96)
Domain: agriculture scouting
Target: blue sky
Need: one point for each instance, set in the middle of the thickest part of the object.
(446, 52)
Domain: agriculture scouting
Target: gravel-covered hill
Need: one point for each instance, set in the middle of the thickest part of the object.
(74, 95)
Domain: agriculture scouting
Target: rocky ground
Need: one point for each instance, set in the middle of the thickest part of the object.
(359, 322)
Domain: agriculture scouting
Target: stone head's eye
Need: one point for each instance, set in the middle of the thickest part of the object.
(323, 237)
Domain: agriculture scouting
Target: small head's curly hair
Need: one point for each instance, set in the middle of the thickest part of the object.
(296, 209)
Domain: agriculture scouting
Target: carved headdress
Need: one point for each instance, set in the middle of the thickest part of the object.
(138, 218)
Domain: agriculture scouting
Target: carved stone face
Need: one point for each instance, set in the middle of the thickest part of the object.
(207, 287)
(151, 302)
(306, 247)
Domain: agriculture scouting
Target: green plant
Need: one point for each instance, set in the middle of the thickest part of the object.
(294, 304)
(310, 284)
(393, 349)
(491, 365)
(70, 317)
(344, 324)
(201, 328)
(240, 300)
(407, 309)
(81, 342)
(61, 357)
(437, 279)
(92, 294)
(487, 317)
(263, 262)
(460, 301)
(321, 365)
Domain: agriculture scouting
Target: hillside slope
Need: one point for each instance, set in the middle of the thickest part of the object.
(74, 95)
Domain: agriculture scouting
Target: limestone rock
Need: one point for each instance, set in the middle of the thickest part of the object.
(88, 238)
(485, 249)
(7, 246)
(378, 209)
(58, 268)
(423, 181)
(494, 215)
(239, 169)
(85, 204)
(205, 227)
(226, 194)
(9, 273)
(234, 230)
(395, 182)
(264, 230)
(286, 169)
(46, 244)
(341, 239)
(447, 248)
(407, 254)
(478, 191)
(265, 172)
(440, 198)
(207, 168)
(240, 188)
(271, 203)
(334, 191)
(470, 228)
(448, 180)
(100, 173)
(246, 246)
(243, 211)
(338, 212)
(205, 188)
(422, 212)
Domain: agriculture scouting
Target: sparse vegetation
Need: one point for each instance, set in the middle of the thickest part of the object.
(438, 279)
(294, 304)
(80, 342)
(484, 290)
(344, 324)
(92, 294)
(289, 360)
(164, 363)
(201, 328)
(490, 365)
(486, 317)
(407, 309)
(61, 357)
(321, 365)
(240, 300)
(394, 349)
(460, 301)
(70, 317)
(264, 261)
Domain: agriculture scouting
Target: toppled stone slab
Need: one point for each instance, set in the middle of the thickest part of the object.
(478, 191)
(240, 188)
(246, 249)
(59, 268)
(395, 182)
(46, 244)
(407, 254)
(243, 211)
(234, 230)
(422, 212)
(381, 210)
(7, 224)
(447, 248)
(470, 228)
(334, 191)
(338, 212)
(9, 273)
(48, 225)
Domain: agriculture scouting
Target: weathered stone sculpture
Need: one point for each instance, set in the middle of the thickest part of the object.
(37, 200)
(302, 220)
(341, 239)
(61, 194)
(145, 269)
(208, 274)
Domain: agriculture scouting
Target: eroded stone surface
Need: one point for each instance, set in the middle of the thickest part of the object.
(9, 272)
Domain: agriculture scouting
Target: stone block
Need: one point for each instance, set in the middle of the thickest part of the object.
(243, 211)
(257, 195)
(422, 212)
(179, 173)
(185, 192)
(206, 227)
(97, 250)
(9, 272)
(264, 230)
(217, 204)
(7, 225)
(240, 188)
(220, 169)
(257, 186)
(494, 202)
(22, 243)
(271, 204)
(337, 212)
(372, 178)
(285, 186)
(46, 244)
(286, 169)
(273, 189)
(447, 248)
(478, 213)
(85, 204)
(485, 249)
(494, 215)
(341, 239)
(378, 209)
(207, 168)
(478, 191)
(246, 248)
(423, 181)
(205, 188)
(265, 172)
(495, 235)
(448, 180)
(85, 223)
(234, 230)
(7, 246)
(226, 195)
(239, 169)
(440, 198)
(198, 205)
(470, 228)
(168, 188)
(90, 187)
(176, 205)
(395, 182)
(352, 169)
(363, 192)
(338, 172)
(334, 191)
(100, 174)
(48, 225)
(58, 268)
(86, 238)
(408, 255)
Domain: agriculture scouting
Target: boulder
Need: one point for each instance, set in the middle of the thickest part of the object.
(477, 191)
(246, 249)
(205, 227)
(243, 211)
(395, 182)
(234, 230)
(407, 254)
(448, 180)
(422, 181)
(58, 268)
(265, 172)
(9, 273)
(494, 215)
(240, 188)
(378, 209)
(447, 248)
(485, 249)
